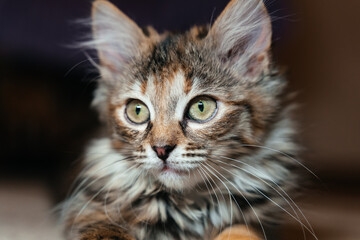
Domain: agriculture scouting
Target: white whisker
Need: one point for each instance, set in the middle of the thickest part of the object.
(205, 181)
(284, 154)
(214, 191)
(281, 189)
(297, 216)
(256, 215)
(96, 194)
(230, 197)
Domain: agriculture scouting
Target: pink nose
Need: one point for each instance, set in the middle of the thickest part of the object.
(164, 151)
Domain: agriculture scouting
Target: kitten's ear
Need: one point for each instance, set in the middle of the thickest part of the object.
(116, 37)
(242, 36)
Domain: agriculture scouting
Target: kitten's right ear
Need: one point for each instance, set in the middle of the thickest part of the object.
(242, 36)
(115, 36)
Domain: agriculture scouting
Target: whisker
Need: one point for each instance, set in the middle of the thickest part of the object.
(284, 154)
(285, 211)
(295, 212)
(119, 211)
(221, 216)
(230, 197)
(205, 181)
(96, 194)
(79, 187)
(73, 67)
(281, 189)
(257, 217)
(107, 213)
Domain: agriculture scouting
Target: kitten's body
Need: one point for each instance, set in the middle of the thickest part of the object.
(221, 171)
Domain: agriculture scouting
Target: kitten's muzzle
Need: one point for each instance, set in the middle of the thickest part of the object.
(164, 151)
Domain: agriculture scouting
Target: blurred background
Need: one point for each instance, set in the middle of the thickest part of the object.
(46, 87)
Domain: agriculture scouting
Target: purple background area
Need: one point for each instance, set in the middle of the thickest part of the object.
(41, 30)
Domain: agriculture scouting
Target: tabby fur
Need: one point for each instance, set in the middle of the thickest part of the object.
(234, 169)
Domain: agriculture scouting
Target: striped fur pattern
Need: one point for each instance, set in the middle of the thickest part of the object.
(235, 168)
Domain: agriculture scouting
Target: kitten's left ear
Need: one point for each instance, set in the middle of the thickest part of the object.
(242, 36)
(115, 36)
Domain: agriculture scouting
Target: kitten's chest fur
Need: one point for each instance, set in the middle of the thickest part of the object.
(172, 215)
(150, 211)
(159, 214)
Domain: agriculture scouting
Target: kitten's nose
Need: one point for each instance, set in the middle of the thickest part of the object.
(164, 151)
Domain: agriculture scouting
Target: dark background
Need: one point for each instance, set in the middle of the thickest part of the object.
(46, 85)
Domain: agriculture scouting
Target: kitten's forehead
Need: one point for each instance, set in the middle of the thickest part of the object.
(167, 92)
(173, 71)
(185, 58)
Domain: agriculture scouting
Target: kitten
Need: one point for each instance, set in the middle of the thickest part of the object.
(196, 136)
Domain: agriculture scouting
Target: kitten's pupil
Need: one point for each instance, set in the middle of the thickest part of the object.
(137, 109)
(201, 106)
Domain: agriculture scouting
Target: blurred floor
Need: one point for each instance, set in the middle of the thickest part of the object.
(25, 212)
(25, 209)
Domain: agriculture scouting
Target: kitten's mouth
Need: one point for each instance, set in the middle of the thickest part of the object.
(170, 170)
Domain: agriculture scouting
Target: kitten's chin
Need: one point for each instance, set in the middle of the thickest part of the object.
(175, 179)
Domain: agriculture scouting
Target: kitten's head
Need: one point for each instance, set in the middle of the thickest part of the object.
(174, 103)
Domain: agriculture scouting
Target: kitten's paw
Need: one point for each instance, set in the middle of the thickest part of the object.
(237, 232)
(104, 232)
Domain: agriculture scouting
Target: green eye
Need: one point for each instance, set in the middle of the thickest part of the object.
(202, 108)
(137, 112)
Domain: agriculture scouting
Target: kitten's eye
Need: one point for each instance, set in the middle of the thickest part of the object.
(137, 112)
(202, 109)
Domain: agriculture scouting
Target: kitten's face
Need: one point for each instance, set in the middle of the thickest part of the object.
(176, 116)
(177, 102)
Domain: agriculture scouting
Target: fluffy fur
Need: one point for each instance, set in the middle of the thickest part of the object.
(236, 168)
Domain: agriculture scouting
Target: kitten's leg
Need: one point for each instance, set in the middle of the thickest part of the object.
(237, 232)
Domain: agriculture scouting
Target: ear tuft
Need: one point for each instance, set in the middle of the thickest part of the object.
(242, 36)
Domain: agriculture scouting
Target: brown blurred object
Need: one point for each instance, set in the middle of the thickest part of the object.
(323, 56)
(333, 215)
